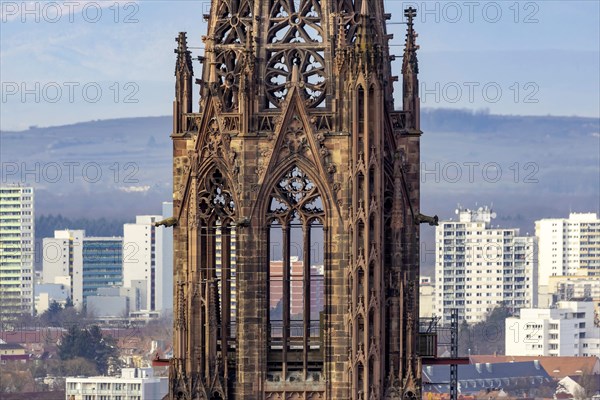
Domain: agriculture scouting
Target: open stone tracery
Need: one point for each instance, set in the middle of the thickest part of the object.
(295, 21)
(228, 70)
(296, 196)
(311, 67)
(233, 21)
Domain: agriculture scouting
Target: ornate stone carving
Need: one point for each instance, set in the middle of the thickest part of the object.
(228, 67)
(295, 21)
(215, 198)
(297, 128)
(311, 67)
(234, 20)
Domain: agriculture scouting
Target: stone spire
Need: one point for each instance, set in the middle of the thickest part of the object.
(410, 63)
(410, 70)
(183, 83)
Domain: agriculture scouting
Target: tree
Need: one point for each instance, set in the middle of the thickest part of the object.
(465, 339)
(588, 385)
(14, 378)
(89, 344)
(79, 366)
(485, 337)
(69, 302)
(52, 316)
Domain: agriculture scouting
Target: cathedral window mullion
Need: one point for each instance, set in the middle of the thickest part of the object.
(286, 294)
(307, 300)
(225, 290)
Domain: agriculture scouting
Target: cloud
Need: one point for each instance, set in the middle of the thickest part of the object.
(135, 189)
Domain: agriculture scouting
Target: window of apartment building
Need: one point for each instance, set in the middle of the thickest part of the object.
(134, 386)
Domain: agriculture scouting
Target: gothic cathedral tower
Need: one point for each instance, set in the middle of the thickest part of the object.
(296, 206)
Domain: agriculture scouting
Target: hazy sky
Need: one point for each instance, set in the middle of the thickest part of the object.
(69, 61)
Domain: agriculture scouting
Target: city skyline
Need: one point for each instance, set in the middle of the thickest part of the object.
(275, 216)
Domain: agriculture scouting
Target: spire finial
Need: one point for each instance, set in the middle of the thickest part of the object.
(295, 78)
(184, 59)
(410, 51)
(365, 30)
(364, 8)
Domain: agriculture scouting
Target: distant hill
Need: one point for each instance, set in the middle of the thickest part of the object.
(526, 167)
(111, 168)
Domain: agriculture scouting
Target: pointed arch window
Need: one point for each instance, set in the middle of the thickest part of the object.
(217, 267)
(296, 277)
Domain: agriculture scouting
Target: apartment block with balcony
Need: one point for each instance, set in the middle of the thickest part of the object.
(133, 384)
(567, 246)
(17, 243)
(570, 328)
(479, 267)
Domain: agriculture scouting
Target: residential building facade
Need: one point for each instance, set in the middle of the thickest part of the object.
(426, 297)
(134, 384)
(479, 267)
(567, 246)
(574, 287)
(63, 261)
(82, 263)
(148, 260)
(164, 269)
(569, 329)
(17, 244)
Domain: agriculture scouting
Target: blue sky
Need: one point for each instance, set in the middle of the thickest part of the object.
(106, 59)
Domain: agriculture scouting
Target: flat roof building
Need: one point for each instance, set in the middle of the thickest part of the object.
(134, 384)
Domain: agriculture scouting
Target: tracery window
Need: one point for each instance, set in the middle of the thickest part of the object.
(311, 66)
(296, 278)
(296, 38)
(234, 20)
(228, 70)
(216, 212)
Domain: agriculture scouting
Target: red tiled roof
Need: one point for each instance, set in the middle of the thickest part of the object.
(41, 335)
(556, 367)
(56, 395)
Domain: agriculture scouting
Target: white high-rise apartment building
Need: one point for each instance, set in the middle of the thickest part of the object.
(567, 247)
(17, 243)
(568, 329)
(63, 260)
(164, 270)
(426, 297)
(479, 267)
(148, 260)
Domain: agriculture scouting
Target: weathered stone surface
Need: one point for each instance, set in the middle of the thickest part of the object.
(296, 131)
